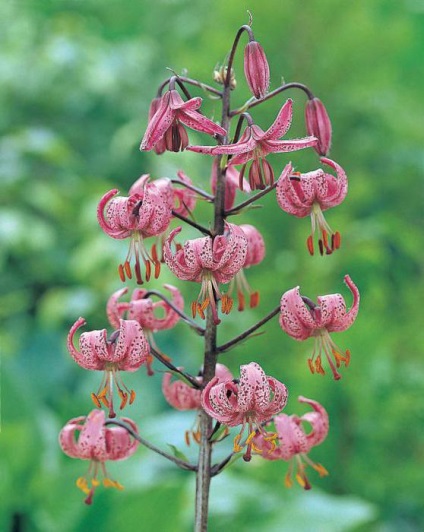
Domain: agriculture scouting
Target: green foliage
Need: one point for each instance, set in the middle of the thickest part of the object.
(77, 79)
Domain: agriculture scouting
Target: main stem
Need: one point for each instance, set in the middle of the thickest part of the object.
(203, 478)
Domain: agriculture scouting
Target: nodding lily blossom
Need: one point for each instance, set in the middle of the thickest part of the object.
(256, 69)
(301, 318)
(146, 212)
(87, 438)
(255, 144)
(250, 402)
(167, 122)
(209, 261)
(255, 255)
(311, 194)
(126, 350)
(232, 180)
(144, 311)
(318, 124)
(294, 443)
(182, 396)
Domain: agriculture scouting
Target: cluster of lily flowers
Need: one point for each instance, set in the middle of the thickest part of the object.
(253, 401)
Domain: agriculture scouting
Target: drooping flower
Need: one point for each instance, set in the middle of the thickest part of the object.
(301, 318)
(182, 396)
(318, 124)
(209, 261)
(126, 350)
(255, 255)
(294, 442)
(160, 146)
(250, 402)
(232, 180)
(256, 69)
(146, 212)
(255, 144)
(311, 194)
(167, 123)
(87, 438)
(144, 311)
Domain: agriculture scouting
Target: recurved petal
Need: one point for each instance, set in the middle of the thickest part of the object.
(91, 441)
(280, 146)
(295, 318)
(159, 124)
(115, 222)
(281, 124)
(219, 400)
(290, 194)
(171, 317)
(68, 435)
(336, 187)
(233, 255)
(179, 394)
(132, 348)
(114, 309)
(255, 245)
(292, 437)
(198, 122)
(91, 344)
(278, 400)
(318, 420)
(343, 322)
(254, 390)
(119, 443)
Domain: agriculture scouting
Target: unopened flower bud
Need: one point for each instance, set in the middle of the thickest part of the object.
(256, 69)
(318, 124)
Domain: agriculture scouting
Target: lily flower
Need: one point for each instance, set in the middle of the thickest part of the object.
(294, 443)
(87, 438)
(184, 199)
(255, 145)
(255, 255)
(146, 212)
(209, 261)
(160, 146)
(311, 194)
(301, 318)
(167, 122)
(250, 402)
(126, 350)
(145, 312)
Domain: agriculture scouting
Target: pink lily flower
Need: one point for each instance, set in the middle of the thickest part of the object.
(126, 350)
(318, 124)
(160, 146)
(144, 311)
(97, 443)
(250, 401)
(294, 443)
(301, 318)
(255, 255)
(256, 69)
(167, 123)
(182, 396)
(255, 144)
(208, 261)
(146, 212)
(311, 194)
(232, 180)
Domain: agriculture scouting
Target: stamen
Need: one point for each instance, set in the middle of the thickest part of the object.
(321, 247)
(124, 398)
(95, 400)
(236, 447)
(337, 240)
(187, 438)
(194, 309)
(287, 479)
(127, 268)
(121, 273)
(310, 244)
(318, 366)
(240, 298)
(321, 470)
(226, 304)
(157, 269)
(154, 254)
(132, 396)
(311, 365)
(138, 272)
(254, 299)
(148, 269)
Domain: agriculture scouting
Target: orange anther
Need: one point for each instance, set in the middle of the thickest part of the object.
(128, 269)
(325, 238)
(104, 401)
(187, 438)
(148, 269)
(194, 308)
(337, 240)
(157, 269)
(154, 253)
(196, 436)
(124, 399)
(347, 359)
(95, 400)
(321, 247)
(121, 273)
(240, 298)
(254, 299)
(310, 244)
(132, 396)
(311, 365)
(200, 310)
(138, 273)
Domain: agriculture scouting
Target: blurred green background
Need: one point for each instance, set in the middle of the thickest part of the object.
(76, 82)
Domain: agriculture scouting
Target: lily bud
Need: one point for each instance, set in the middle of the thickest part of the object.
(256, 69)
(318, 124)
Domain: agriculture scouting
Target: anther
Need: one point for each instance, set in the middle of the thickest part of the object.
(121, 273)
(127, 268)
(310, 244)
(254, 299)
(95, 400)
